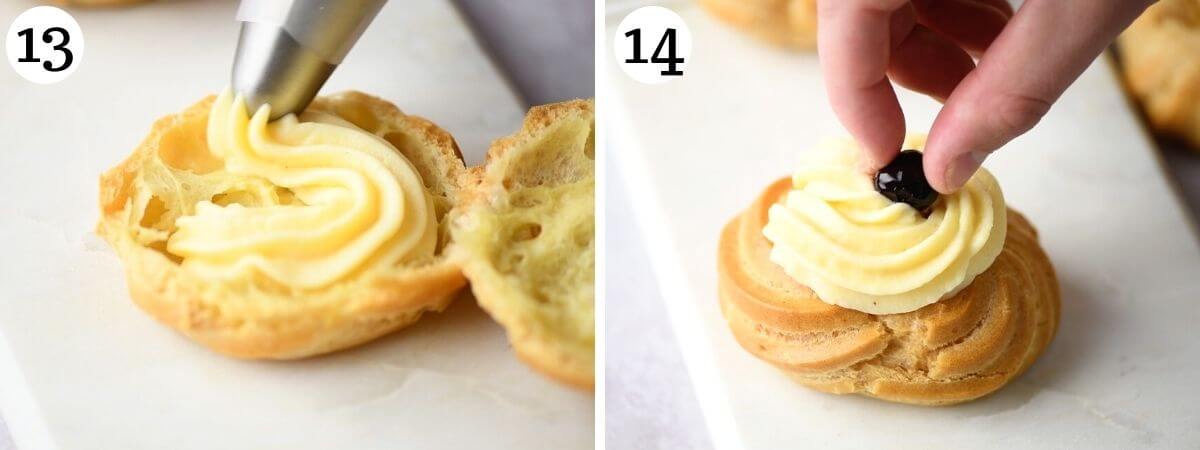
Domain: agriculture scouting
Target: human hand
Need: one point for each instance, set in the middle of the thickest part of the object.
(1026, 61)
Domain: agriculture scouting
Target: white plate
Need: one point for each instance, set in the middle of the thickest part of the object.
(1124, 369)
(82, 368)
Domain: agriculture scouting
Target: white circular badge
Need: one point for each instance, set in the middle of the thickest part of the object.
(652, 45)
(44, 44)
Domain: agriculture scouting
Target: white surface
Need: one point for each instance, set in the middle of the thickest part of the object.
(6, 442)
(1123, 370)
(81, 367)
(648, 395)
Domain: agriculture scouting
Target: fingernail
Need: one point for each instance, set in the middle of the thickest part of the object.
(963, 167)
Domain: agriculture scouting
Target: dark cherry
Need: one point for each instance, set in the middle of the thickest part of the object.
(903, 180)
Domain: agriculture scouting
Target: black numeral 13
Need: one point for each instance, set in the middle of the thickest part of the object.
(47, 37)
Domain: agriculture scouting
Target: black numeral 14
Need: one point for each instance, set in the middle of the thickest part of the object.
(668, 41)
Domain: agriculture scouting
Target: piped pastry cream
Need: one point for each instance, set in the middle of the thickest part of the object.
(343, 200)
(856, 249)
(290, 238)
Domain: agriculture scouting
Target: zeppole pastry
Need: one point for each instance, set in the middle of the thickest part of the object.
(286, 239)
(789, 23)
(848, 291)
(1160, 58)
(527, 233)
(98, 2)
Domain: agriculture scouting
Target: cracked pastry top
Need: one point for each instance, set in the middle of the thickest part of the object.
(290, 238)
(849, 293)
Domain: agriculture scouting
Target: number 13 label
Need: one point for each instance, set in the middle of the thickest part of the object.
(652, 45)
(44, 44)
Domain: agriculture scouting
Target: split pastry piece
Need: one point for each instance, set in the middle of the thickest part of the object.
(913, 322)
(1160, 60)
(527, 234)
(286, 239)
(788, 23)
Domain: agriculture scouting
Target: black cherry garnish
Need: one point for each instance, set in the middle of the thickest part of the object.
(903, 180)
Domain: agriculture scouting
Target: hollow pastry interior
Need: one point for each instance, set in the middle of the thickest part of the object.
(527, 232)
(958, 349)
(287, 239)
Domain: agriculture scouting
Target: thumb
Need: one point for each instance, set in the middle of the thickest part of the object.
(975, 123)
(1044, 48)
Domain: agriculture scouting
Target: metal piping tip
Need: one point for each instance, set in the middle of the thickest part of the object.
(271, 68)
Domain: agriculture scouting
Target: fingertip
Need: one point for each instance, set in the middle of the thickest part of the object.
(940, 151)
(935, 171)
(880, 156)
(952, 175)
(879, 142)
(854, 46)
(954, 151)
(873, 117)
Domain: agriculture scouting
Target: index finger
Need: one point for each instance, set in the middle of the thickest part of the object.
(854, 43)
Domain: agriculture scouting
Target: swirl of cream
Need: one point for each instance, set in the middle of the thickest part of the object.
(346, 201)
(856, 249)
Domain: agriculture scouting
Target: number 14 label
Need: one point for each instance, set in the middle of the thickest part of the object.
(654, 31)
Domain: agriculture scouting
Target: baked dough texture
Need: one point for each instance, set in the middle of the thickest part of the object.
(1160, 59)
(787, 23)
(958, 349)
(288, 240)
(527, 233)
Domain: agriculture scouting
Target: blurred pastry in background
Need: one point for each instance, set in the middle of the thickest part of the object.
(97, 2)
(787, 23)
(1160, 60)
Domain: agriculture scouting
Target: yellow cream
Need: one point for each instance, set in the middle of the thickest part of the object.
(344, 201)
(856, 249)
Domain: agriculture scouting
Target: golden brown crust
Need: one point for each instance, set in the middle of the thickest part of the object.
(1160, 60)
(538, 351)
(513, 163)
(952, 351)
(788, 23)
(248, 321)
